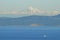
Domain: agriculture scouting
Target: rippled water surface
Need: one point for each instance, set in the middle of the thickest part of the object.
(29, 33)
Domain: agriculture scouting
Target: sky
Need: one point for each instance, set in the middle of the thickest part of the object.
(17, 8)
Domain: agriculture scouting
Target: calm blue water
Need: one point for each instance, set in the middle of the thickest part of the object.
(29, 33)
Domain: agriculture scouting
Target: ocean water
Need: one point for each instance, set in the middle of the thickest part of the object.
(29, 33)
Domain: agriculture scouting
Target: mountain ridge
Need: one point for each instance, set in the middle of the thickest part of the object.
(33, 20)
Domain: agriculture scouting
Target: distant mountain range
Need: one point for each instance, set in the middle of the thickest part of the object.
(33, 20)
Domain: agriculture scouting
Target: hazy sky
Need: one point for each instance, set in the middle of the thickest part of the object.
(24, 7)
